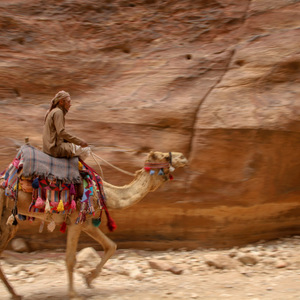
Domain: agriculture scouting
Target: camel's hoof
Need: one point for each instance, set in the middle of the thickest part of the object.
(16, 297)
(88, 280)
(74, 296)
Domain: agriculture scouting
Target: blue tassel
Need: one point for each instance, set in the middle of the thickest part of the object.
(96, 222)
(161, 172)
(35, 183)
(21, 217)
(6, 175)
(152, 172)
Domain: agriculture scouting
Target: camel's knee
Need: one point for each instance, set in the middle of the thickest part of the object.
(111, 248)
(109, 251)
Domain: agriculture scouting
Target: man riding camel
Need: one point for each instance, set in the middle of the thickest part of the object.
(57, 141)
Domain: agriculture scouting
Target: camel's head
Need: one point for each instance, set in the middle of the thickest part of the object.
(172, 159)
(161, 164)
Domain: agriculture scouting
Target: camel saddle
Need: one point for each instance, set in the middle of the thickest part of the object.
(36, 163)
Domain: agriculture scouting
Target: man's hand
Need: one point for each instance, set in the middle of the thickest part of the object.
(84, 144)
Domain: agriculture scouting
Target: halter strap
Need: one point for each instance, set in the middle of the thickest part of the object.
(170, 156)
(153, 165)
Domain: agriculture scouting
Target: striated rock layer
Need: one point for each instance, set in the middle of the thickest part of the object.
(217, 80)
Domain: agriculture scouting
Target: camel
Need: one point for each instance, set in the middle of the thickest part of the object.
(117, 198)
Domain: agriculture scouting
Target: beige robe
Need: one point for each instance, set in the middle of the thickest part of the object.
(57, 141)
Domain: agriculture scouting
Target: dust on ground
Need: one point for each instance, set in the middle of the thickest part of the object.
(266, 270)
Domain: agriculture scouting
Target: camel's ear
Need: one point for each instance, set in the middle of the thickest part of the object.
(152, 155)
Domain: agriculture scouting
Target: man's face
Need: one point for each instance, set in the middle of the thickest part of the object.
(67, 103)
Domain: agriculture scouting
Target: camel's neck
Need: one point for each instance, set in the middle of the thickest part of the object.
(127, 195)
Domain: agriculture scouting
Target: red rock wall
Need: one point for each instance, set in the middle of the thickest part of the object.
(217, 80)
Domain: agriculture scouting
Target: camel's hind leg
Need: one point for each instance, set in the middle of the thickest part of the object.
(7, 232)
(72, 241)
(108, 245)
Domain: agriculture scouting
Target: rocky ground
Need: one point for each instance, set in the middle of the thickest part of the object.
(266, 270)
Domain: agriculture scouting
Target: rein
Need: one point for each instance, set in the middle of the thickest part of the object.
(123, 171)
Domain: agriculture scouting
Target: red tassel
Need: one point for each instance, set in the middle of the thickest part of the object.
(171, 177)
(63, 227)
(147, 169)
(111, 224)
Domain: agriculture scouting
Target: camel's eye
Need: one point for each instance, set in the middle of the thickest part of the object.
(153, 156)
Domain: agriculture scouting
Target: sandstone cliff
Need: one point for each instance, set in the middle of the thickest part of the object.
(216, 80)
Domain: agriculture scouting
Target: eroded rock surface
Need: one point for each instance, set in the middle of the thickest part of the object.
(218, 81)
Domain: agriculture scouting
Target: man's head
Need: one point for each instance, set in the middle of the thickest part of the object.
(65, 103)
(62, 99)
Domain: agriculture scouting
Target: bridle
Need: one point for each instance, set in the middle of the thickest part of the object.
(171, 168)
(152, 166)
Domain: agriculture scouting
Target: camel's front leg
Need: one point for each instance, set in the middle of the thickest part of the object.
(9, 287)
(7, 232)
(108, 245)
(73, 234)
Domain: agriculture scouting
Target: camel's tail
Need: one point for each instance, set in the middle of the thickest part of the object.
(2, 202)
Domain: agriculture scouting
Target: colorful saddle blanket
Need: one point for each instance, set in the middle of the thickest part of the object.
(38, 163)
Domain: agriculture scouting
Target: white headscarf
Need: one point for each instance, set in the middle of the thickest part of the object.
(54, 102)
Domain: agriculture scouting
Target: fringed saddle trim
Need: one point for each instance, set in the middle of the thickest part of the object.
(55, 196)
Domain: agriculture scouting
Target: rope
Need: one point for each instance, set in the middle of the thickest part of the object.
(102, 176)
(123, 171)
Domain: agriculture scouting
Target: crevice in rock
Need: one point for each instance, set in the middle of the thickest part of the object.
(194, 120)
(246, 12)
(204, 98)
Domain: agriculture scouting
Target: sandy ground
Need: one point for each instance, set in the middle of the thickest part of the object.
(254, 272)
